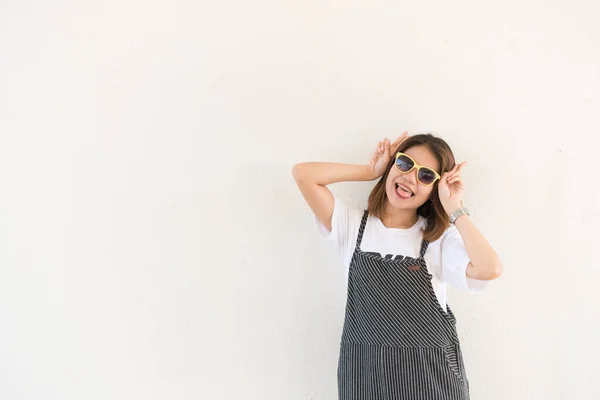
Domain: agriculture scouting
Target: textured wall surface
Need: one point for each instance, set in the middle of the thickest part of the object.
(153, 244)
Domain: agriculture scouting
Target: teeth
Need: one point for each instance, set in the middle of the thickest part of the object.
(403, 188)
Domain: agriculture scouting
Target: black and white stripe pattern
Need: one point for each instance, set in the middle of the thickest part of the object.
(397, 342)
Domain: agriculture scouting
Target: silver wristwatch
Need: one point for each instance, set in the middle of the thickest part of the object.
(458, 213)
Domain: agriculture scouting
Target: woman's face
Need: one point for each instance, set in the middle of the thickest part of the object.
(397, 181)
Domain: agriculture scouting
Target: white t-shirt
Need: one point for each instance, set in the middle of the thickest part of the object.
(446, 258)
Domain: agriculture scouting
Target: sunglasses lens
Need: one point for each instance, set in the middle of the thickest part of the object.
(426, 176)
(404, 163)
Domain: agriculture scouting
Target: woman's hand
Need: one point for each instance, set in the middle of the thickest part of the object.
(484, 262)
(451, 188)
(383, 154)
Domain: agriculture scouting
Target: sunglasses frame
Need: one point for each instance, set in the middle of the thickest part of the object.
(417, 166)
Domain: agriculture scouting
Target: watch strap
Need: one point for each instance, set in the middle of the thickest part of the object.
(458, 213)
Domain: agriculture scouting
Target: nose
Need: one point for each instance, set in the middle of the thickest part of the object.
(412, 176)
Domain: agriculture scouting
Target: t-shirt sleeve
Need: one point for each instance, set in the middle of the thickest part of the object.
(455, 260)
(345, 222)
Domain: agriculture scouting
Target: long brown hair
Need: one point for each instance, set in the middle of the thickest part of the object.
(437, 219)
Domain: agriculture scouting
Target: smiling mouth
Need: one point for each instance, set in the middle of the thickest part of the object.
(403, 191)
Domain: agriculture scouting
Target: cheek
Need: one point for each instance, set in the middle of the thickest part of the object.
(425, 192)
(391, 176)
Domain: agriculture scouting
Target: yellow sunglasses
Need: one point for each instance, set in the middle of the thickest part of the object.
(425, 175)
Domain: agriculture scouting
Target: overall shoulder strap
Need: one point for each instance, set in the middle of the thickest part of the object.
(424, 245)
(361, 230)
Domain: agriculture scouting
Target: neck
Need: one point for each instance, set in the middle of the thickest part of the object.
(401, 219)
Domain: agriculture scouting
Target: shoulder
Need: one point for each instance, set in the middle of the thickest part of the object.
(347, 210)
(345, 221)
(345, 225)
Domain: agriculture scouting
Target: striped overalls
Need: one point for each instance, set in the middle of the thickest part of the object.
(397, 342)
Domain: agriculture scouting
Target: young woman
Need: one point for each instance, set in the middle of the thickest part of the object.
(399, 339)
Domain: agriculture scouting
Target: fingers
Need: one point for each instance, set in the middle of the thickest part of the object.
(457, 169)
(383, 147)
(455, 179)
(390, 146)
(376, 154)
(374, 159)
(399, 140)
(450, 178)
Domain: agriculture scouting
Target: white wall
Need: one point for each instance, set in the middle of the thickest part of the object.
(153, 244)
